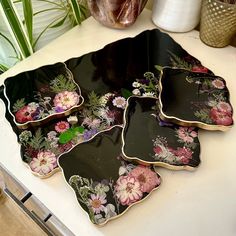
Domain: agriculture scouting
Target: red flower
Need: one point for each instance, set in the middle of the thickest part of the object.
(23, 115)
(200, 69)
(221, 117)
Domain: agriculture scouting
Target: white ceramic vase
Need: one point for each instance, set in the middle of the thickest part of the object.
(176, 15)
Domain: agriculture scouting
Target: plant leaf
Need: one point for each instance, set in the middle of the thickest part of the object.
(76, 11)
(60, 22)
(79, 129)
(28, 15)
(66, 136)
(37, 141)
(3, 68)
(11, 44)
(19, 104)
(158, 67)
(16, 28)
(126, 93)
(61, 83)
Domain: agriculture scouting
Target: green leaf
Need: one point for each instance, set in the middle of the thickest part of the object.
(60, 22)
(178, 62)
(16, 28)
(44, 30)
(19, 104)
(11, 44)
(79, 129)
(126, 93)
(76, 11)
(61, 83)
(3, 68)
(66, 136)
(37, 141)
(46, 10)
(28, 15)
(158, 67)
(69, 134)
(51, 2)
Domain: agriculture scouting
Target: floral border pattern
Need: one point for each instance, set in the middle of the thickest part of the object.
(108, 198)
(216, 110)
(41, 149)
(65, 94)
(187, 136)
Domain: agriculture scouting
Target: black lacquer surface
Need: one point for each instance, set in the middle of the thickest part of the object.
(106, 80)
(198, 99)
(148, 140)
(105, 184)
(41, 94)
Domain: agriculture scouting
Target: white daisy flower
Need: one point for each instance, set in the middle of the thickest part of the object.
(136, 84)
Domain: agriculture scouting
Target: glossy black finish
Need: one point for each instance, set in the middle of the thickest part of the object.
(35, 87)
(99, 161)
(143, 126)
(195, 97)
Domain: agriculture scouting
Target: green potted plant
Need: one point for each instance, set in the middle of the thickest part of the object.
(28, 25)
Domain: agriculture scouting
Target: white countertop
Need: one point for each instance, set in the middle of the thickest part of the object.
(200, 203)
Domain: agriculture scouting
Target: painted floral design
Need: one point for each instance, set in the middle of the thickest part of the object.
(128, 190)
(188, 62)
(40, 150)
(102, 112)
(217, 109)
(119, 102)
(62, 126)
(147, 178)
(65, 100)
(64, 95)
(106, 199)
(44, 163)
(99, 113)
(181, 155)
(146, 87)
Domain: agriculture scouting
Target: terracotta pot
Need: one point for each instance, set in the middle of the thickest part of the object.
(116, 13)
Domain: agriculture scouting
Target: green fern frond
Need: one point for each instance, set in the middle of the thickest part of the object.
(61, 83)
(37, 141)
(203, 115)
(178, 62)
(93, 101)
(19, 104)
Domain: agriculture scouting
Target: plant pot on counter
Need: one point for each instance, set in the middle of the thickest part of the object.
(218, 23)
(116, 13)
(176, 15)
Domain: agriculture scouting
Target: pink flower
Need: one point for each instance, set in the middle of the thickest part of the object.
(96, 202)
(157, 149)
(225, 107)
(65, 100)
(119, 102)
(147, 178)
(219, 84)
(200, 69)
(128, 190)
(187, 134)
(184, 154)
(221, 117)
(44, 163)
(24, 114)
(62, 126)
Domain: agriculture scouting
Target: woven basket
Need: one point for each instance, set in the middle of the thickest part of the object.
(218, 23)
